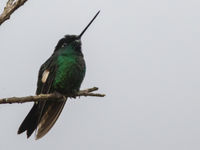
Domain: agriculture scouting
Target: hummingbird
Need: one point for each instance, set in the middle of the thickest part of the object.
(63, 74)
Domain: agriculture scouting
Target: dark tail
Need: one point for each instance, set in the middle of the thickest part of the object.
(30, 122)
(41, 118)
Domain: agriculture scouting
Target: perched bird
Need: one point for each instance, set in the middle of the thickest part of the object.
(62, 73)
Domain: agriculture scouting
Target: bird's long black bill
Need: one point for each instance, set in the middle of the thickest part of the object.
(88, 25)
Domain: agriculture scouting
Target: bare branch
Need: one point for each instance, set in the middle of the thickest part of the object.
(10, 7)
(53, 96)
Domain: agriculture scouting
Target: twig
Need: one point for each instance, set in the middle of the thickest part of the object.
(53, 96)
(10, 7)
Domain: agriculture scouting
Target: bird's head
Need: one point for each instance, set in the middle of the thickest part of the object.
(69, 40)
(73, 40)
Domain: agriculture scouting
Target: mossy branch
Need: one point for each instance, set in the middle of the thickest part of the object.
(11, 6)
(53, 96)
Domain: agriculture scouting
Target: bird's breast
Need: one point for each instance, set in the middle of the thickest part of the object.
(70, 73)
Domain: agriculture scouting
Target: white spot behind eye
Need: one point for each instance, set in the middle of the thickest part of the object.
(45, 76)
(78, 40)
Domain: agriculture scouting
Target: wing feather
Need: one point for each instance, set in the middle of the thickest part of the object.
(50, 110)
(43, 115)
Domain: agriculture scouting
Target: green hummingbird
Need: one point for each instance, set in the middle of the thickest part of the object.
(62, 73)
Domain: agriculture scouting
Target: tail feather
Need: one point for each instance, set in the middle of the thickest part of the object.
(51, 111)
(41, 118)
(30, 122)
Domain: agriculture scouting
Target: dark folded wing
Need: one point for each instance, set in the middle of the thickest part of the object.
(50, 110)
(31, 121)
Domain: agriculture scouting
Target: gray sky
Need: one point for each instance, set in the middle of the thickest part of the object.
(144, 54)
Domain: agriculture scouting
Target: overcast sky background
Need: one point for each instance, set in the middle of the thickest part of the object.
(144, 54)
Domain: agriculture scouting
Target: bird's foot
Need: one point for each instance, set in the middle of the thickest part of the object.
(73, 94)
(60, 95)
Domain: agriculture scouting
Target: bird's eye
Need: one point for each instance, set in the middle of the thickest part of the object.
(64, 44)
